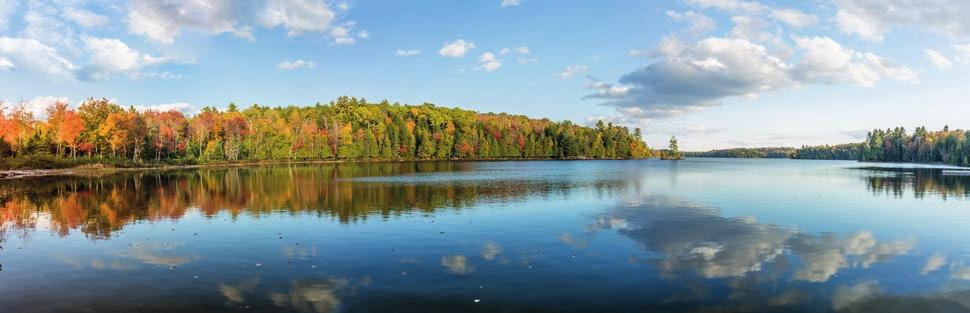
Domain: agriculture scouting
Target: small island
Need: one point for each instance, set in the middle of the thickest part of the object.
(672, 152)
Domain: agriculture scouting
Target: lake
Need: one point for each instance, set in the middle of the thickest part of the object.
(698, 235)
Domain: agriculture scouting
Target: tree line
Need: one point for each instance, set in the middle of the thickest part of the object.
(890, 145)
(747, 153)
(345, 129)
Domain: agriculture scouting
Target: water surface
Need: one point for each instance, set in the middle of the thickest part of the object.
(699, 235)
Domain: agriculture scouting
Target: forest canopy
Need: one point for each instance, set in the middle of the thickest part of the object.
(345, 129)
(890, 145)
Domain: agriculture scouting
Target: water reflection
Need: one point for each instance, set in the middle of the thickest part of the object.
(762, 263)
(694, 238)
(482, 237)
(920, 181)
(99, 206)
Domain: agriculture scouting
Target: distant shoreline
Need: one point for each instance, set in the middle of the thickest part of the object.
(100, 169)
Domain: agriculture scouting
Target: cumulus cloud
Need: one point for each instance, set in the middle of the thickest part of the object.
(794, 18)
(510, 3)
(938, 60)
(407, 53)
(163, 21)
(296, 64)
(309, 16)
(38, 105)
(32, 55)
(523, 55)
(108, 56)
(489, 62)
(872, 19)
(824, 60)
(84, 18)
(44, 24)
(691, 77)
(573, 70)
(456, 49)
(698, 22)
(751, 9)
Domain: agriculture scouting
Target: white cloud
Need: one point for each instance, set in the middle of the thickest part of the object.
(407, 53)
(699, 23)
(456, 49)
(84, 18)
(748, 9)
(296, 64)
(690, 78)
(637, 53)
(155, 75)
(524, 50)
(183, 107)
(573, 70)
(962, 53)
(489, 62)
(32, 55)
(363, 34)
(38, 105)
(511, 3)
(938, 60)
(730, 5)
(44, 24)
(825, 61)
(794, 18)
(855, 25)
(340, 41)
(308, 16)
(108, 56)
(872, 19)
(162, 21)
(693, 77)
(6, 9)
(6, 64)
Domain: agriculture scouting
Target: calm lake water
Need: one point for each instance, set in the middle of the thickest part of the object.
(699, 235)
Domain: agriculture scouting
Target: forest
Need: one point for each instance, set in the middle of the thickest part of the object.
(746, 153)
(890, 145)
(99, 131)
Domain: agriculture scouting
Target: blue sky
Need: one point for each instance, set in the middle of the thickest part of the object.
(716, 73)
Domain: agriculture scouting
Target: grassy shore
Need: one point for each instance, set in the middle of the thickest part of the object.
(33, 166)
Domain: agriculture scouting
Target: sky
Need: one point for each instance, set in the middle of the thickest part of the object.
(715, 73)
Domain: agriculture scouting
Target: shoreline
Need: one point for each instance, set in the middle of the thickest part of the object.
(99, 169)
